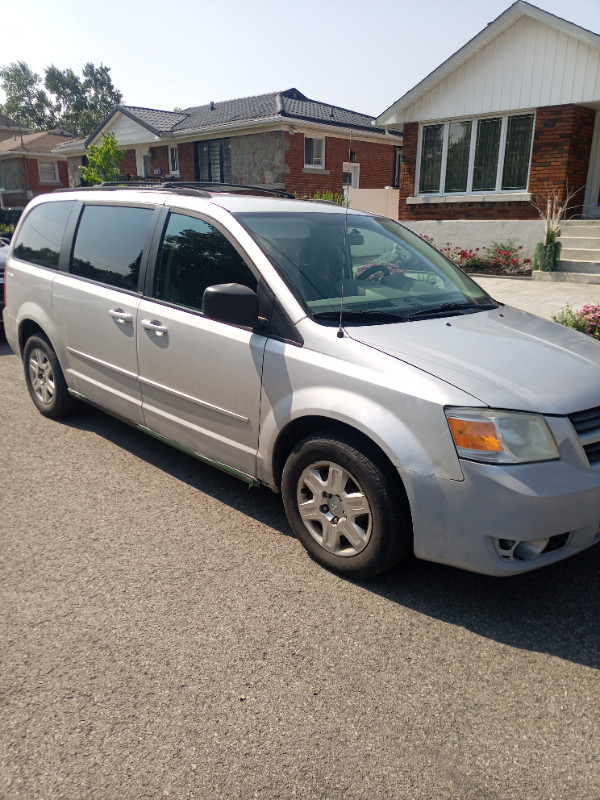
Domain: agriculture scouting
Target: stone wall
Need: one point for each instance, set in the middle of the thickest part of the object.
(13, 174)
(259, 159)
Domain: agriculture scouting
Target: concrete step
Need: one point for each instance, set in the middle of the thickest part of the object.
(581, 223)
(566, 277)
(591, 255)
(580, 242)
(566, 265)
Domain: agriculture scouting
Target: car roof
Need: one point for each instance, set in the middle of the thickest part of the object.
(230, 198)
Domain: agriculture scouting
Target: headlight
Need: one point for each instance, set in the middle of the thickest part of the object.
(500, 437)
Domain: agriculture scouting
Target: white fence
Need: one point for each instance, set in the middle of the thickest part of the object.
(377, 201)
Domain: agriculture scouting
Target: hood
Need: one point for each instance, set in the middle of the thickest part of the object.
(505, 358)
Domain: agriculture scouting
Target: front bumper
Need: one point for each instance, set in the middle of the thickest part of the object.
(505, 520)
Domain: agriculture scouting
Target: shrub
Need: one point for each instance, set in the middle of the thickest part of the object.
(329, 197)
(462, 257)
(505, 256)
(587, 320)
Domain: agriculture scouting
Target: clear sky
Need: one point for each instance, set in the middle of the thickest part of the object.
(358, 54)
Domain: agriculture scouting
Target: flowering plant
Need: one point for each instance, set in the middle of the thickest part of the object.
(587, 320)
(461, 256)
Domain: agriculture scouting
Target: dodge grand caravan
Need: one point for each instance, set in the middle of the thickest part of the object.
(328, 354)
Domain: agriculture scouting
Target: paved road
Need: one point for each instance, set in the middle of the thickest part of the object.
(163, 635)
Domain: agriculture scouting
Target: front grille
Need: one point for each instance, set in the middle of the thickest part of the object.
(587, 428)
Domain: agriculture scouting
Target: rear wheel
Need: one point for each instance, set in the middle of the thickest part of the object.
(45, 380)
(344, 507)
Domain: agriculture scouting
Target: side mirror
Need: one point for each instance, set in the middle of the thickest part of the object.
(231, 303)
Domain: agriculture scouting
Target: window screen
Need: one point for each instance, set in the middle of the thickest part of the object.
(431, 158)
(195, 255)
(109, 244)
(214, 160)
(41, 234)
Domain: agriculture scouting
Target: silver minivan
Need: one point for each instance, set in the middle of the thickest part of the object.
(328, 354)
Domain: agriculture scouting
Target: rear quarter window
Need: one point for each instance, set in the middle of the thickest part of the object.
(40, 236)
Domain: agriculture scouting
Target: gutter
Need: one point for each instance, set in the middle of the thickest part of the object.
(287, 122)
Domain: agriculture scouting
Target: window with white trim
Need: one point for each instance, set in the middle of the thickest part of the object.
(173, 160)
(486, 154)
(48, 171)
(314, 152)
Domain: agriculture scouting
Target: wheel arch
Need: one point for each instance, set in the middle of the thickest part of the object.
(302, 427)
(28, 327)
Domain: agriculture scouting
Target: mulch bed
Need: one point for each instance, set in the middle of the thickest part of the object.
(486, 269)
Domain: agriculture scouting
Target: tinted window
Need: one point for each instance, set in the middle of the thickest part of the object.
(109, 243)
(40, 237)
(195, 255)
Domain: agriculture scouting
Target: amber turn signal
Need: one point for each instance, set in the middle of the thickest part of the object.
(474, 435)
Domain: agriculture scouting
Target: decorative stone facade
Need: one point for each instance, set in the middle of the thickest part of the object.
(259, 159)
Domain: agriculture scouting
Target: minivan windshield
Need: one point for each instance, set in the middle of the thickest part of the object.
(374, 268)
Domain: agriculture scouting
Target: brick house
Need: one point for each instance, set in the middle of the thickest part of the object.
(29, 167)
(512, 113)
(281, 140)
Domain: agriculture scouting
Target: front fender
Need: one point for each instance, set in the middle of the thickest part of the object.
(408, 427)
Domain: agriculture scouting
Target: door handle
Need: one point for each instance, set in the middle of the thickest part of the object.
(154, 326)
(120, 316)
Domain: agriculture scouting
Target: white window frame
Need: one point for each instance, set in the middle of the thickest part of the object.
(501, 155)
(46, 181)
(174, 160)
(322, 157)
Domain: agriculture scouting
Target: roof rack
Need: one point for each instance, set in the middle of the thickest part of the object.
(234, 188)
(197, 188)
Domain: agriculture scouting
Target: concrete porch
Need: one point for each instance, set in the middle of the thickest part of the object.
(580, 254)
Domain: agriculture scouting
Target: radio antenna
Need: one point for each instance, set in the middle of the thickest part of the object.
(340, 332)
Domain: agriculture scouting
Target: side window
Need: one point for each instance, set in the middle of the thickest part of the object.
(195, 255)
(109, 244)
(41, 234)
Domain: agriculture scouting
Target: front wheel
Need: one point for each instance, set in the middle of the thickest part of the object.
(44, 378)
(344, 507)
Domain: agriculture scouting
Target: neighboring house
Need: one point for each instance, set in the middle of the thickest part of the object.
(28, 167)
(514, 112)
(281, 140)
(10, 127)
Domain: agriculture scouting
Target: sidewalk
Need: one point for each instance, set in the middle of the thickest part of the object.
(540, 297)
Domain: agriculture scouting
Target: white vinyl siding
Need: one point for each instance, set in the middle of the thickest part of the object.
(489, 154)
(529, 65)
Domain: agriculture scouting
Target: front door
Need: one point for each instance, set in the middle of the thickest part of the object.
(591, 208)
(350, 176)
(200, 379)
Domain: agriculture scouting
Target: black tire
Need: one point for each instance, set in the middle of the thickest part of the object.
(352, 518)
(45, 380)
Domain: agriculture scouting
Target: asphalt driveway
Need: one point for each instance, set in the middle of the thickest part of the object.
(163, 635)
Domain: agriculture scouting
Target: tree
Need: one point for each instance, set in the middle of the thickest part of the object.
(67, 101)
(80, 105)
(26, 101)
(104, 161)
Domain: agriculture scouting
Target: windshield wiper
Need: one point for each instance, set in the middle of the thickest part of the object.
(444, 308)
(359, 315)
